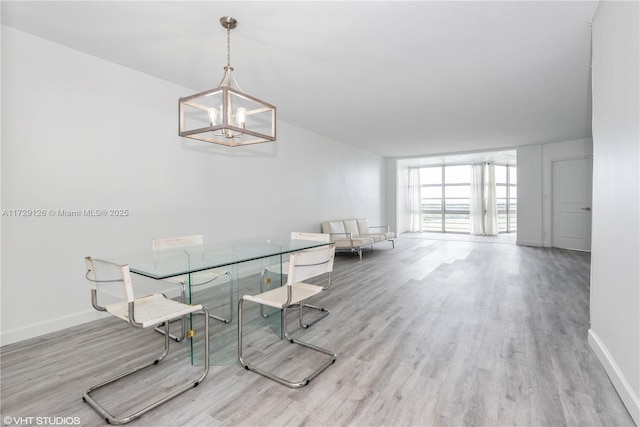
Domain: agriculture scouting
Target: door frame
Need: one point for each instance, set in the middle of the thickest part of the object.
(552, 199)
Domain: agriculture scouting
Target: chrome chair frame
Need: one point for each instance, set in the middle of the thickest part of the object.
(294, 264)
(264, 280)
(131, 314)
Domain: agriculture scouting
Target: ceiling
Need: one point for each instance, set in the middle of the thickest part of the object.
(397, 78)
(505, 157)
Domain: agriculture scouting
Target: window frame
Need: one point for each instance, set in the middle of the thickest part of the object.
(443, 212)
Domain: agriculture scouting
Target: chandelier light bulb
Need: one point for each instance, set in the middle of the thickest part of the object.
(213, 116)
(241, 116)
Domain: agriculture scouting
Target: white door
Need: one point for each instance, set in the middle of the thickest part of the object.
(571, 204)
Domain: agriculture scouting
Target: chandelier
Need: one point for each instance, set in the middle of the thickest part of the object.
(226, 115)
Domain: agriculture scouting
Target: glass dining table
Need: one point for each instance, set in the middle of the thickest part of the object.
(244, 259)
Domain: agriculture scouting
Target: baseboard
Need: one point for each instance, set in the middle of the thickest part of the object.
(628, 397)
(49, 326)
(143, 286)
(527, 243)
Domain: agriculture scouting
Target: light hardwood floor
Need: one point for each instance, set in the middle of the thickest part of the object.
(431, 333)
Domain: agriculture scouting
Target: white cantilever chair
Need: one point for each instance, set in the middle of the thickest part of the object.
(197, 279)
(264, 278)
(142, 312)
(302, 265)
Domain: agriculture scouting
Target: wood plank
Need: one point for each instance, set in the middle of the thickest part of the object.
(433, 332)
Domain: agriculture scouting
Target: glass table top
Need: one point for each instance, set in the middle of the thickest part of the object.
(164, 263)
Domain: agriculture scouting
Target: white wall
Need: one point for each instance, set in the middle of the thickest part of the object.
(82, 133)
(391, 194)
(534, 187)
(615, 266)
(529, 214)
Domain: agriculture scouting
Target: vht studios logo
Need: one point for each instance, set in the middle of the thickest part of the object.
(41, 421)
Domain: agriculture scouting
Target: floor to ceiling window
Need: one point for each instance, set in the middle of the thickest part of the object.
(507, 197)
(445, 198)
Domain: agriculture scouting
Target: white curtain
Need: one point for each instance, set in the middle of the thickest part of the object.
(477, 199)
(484, 210)
(415, 200)
(491, 207)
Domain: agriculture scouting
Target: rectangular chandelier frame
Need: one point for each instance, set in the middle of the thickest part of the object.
(194, 119)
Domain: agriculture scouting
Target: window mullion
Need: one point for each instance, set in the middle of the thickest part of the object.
(443, 201)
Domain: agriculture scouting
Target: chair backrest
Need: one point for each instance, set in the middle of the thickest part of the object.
(177, 242)
(101, 273)
(319, 237)
(310, 263)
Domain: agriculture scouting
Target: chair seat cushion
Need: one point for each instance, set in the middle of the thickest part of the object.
(351, 226)
(152, 310)
(375, 236)
(357, 242)
(278, 297)
(333, 227)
